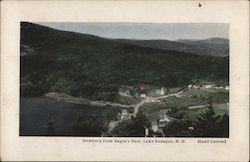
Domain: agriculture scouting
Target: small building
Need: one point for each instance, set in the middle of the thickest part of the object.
(190, 86)
(227, 87)
(208, 86)
(160, 91)
(154, 126)
(196, 87)
(164, 118)
(124, 114)
(143, 95)
(124, 111)
(143, 86)
(191, 128)
(220, 87)
(124, 92)
(146, 131)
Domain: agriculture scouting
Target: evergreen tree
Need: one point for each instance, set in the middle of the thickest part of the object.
(207, 123)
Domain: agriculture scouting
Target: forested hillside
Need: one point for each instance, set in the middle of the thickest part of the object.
(93, 67)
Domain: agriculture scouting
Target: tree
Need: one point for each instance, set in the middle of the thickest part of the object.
(111, 114)
(133, 127)
(177, 128)
(223, 126)
(207, 123)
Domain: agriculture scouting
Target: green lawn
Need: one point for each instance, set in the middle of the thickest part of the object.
(216, 95)
(189, 98)
(128, 100)
(192, 114)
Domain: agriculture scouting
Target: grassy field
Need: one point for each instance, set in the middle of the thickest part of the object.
(192, 114)
(127, 100)
(179, 106)
(45, 116)
(215, 95)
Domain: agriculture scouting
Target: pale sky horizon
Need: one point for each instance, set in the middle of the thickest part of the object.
(145, 31)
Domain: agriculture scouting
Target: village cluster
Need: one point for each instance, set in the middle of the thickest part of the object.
(148, 93)
(145, 90)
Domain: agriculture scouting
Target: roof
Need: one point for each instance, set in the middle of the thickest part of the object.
(142, 85)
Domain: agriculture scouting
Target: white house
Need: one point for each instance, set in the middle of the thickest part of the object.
(146, 131)
(208, 86)
(227, 87)
(196, 87)
(155, 128)
(124, 114)
(160, 91)
(164, 119)
(191, 128)
(143, 95)
(124, 92)
(190, 86)
(220, 87)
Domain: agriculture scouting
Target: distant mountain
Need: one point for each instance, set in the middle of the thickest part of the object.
(210, 47)
(94, 67)
(222, 41)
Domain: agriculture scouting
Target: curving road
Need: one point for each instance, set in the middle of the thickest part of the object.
(68, 98)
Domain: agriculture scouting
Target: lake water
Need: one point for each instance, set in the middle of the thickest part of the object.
(45, 116)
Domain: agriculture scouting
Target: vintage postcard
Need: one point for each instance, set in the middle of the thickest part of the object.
(108, 80)
(124, 79)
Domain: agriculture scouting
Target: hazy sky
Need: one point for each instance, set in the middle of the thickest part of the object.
(170, 31)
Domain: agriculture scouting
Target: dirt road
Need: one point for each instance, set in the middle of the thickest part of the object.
(68, 98)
